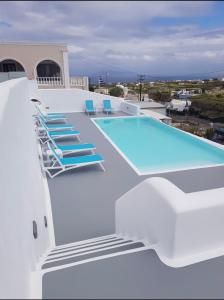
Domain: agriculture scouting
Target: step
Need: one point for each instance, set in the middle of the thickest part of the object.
(83, 246)
(78, 249)
(91, 253)
(88, 241)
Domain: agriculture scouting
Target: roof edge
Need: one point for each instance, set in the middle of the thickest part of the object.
(33, 43)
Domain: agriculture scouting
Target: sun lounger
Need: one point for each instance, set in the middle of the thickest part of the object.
(49, 114)
(52, 117)
(60, 165)
(107, 106)
(89, 107)
(53, 127)
(70, 149)
(55, 135)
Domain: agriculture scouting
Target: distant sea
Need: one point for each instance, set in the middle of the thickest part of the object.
(133, 78)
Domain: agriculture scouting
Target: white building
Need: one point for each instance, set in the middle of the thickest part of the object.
(178, 105)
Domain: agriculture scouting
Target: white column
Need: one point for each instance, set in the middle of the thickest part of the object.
(66, 69)
(86, 81)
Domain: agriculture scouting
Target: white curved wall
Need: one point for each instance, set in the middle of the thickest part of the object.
(183, 228)
(23, 194)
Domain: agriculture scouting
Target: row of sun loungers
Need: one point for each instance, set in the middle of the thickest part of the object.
(90, 108)
(57, 155)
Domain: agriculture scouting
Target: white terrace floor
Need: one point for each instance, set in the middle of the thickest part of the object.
(83, 206)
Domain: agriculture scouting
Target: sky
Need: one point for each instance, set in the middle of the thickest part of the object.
(156, 38)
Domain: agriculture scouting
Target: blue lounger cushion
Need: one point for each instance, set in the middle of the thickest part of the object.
(59, 126)
(89, 106)
(75, 147)
(81, 159)
(57, 133)
(55, 115)
(107, 105)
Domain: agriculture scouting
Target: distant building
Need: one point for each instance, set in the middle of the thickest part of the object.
(101, 81)
(102, 90)
(184, 94)
(178, 105)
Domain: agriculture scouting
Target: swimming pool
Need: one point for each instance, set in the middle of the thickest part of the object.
(151, 146)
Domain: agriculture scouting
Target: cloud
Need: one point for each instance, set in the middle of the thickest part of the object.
(5, 24)
(127, 35)
(75, 49)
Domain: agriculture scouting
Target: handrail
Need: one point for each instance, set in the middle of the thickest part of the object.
(79, 81)
(54, 81)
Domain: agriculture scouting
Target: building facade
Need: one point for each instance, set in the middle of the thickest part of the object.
(47, 63)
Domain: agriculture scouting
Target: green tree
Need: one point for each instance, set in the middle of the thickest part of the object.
(160, 96)
(91, 88)
(116, 91)
(208, 106)
(209, 133)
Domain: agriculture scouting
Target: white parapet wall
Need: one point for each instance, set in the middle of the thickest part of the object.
(183, 228)
(73, 100)
(23, 193)
(130, 108)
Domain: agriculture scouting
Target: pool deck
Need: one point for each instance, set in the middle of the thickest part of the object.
(83, 206)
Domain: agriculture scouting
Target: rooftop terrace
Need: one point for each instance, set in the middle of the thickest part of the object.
(160, 218)
(83, 206)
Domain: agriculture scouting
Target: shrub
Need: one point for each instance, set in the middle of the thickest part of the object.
(116, 91)
(209, 133)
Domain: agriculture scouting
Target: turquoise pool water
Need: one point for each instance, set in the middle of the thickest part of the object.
(151, 146)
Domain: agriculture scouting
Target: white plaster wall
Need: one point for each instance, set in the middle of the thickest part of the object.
(145, 213)
(182, 228)
(130, 108)
(22, 192)
(73, 100)
(159, 110)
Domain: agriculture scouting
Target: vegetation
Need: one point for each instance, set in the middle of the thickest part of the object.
(160, 96)
(209, 133)
(91, 88)
(208, 106)
(116, 91)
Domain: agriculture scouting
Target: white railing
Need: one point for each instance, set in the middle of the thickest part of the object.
(80, 82)
(50, 81)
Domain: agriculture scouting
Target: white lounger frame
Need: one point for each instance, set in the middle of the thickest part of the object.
(43, 127)
(90, 112)
(49, 118)
(63, 168)
(49, 138)
(67, 152)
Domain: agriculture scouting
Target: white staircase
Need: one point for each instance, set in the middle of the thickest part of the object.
(99, 248)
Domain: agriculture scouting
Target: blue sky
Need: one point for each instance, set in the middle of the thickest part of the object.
(166, 38)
